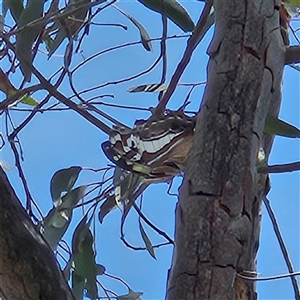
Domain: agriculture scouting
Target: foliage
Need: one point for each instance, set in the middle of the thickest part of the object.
(160, 143)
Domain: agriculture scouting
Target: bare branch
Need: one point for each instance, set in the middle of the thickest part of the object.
(292, 55)
(192, 43)
(291, 167)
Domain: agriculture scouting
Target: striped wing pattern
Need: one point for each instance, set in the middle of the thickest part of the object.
(156, 148)
(152, 151)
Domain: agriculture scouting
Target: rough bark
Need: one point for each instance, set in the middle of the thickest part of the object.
(218, 213)
(28, 268)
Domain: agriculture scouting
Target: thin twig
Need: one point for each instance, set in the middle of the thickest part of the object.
(269, 277)
(192, 43)
(120, 47)
(282, 246)
(163, 51)
(62, 98)
(145, 219)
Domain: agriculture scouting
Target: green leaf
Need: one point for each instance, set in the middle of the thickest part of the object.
(58, 219)
(69, 25)
(7, 87)
(15, 6)
(67, 268)
(276, 126)
(26, 37)
(78, 285)
(125, 184)
(84, 257)
(147, 241)
(173, 10)
(145, 38)
(107, 206)
(56, 224)
(29, 101)
(62, 181)
(70, 200)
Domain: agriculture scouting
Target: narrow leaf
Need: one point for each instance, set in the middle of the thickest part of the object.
(5, 85)
(78, 285)
(58, 219)
(173, 10)
(107, 206)
(70, 200)
(67, 268)
(276, 126)
(79, 235)
(15, 6)
(69, 25)
(147, 241)
(145, 38)
(56, 224)
(63, 180)
(26, 38)
(29, 101)
(84, 257)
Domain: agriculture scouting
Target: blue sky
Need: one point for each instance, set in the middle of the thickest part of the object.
(55, 140)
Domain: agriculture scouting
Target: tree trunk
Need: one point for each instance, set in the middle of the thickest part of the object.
(218, 213)
(28, 268)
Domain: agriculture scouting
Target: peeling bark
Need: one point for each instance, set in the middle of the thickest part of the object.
(219, 211)
(28, 268)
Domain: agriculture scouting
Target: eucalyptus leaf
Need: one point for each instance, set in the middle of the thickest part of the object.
(145, 38)
(125, 184)
(70, 200)
(26, 37)
(55, 225)
(27, 101)
(107, 206)
(62, 181)
(84, 257)
(67, 268)
(173, 10)
(58, 219)
(68, 25)
(78, 286)
(79, 234)
(15, 7)
(147, 241)
(276, 126)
